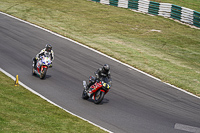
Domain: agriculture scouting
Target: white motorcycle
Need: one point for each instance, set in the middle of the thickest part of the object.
(42, 64)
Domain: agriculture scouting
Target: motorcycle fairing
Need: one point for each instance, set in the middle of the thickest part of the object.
(96, 86)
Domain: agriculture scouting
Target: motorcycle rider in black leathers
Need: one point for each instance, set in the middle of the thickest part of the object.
(48, 48)
(100, 73)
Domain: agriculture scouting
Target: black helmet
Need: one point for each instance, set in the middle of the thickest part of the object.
(106, 68)
(48, 47)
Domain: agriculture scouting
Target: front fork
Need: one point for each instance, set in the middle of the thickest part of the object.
(40, 69)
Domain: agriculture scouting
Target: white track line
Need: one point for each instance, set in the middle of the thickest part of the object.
(187, 128)
(28, 88)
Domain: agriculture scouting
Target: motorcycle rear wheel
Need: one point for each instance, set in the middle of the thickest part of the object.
(99, 97)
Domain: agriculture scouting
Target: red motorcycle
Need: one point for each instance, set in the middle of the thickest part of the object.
(97, 91)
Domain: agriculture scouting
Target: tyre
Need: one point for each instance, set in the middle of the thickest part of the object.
(84, 95)
(43, 73)
(99, 97)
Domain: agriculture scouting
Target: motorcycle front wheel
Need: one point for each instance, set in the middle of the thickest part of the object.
(99, 97)
(43, 73)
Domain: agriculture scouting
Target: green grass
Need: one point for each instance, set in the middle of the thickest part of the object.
(21, 111)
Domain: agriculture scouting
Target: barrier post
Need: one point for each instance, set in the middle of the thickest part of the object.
(17, 81)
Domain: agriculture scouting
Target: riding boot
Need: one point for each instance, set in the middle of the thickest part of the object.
(87, 87)
(34, 62)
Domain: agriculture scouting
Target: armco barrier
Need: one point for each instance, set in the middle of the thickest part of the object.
(176, 12)
(183, 14)
(105, 2)
(114, 2)
(153, 8)
(165, 10)
(96, 0)
(196, 19)
(143, 6)
(133, 4)
(187, 15)
(123, 3)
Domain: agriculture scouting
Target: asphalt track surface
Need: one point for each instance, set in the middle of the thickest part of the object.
(136, 102)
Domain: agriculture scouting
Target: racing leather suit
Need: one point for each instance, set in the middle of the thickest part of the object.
(42, 53)
(100, 73)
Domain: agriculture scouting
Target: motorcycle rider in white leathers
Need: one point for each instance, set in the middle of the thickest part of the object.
(48, 48)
